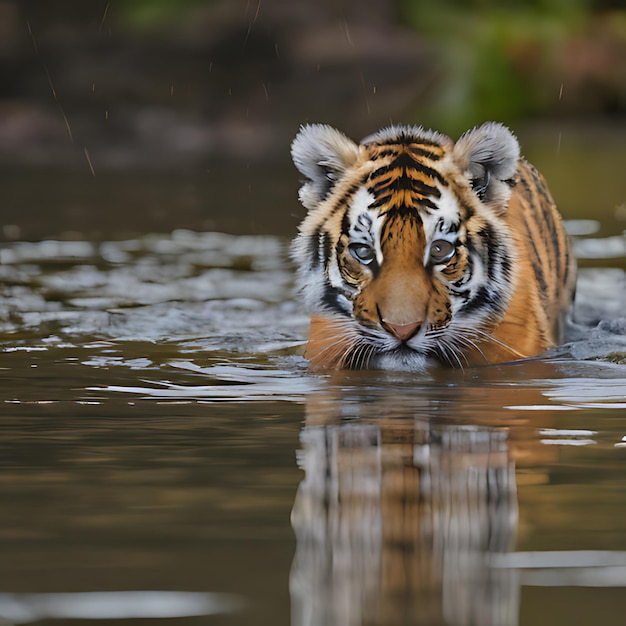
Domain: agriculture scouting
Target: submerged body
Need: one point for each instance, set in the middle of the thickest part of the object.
(417, 249)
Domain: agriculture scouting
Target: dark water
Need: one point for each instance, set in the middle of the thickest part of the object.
(161, 433)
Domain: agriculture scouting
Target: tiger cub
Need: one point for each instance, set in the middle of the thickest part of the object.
(416, 249)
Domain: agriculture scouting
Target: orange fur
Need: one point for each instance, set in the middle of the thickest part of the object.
(328, 343)
(529, 325)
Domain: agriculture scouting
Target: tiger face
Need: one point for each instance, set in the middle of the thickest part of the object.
(407, 254)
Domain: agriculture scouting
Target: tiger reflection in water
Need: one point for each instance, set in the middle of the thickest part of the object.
(397, 515)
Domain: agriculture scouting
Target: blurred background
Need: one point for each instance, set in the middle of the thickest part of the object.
(151, 392)
(119, 118)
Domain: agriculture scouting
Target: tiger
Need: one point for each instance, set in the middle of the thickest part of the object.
(418, 251)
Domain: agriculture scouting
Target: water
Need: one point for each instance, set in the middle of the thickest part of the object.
(161, 433)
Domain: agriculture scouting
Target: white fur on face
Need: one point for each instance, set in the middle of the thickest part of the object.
(402, 362)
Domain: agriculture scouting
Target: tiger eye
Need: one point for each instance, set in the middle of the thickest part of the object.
(441, 251)
(362, 252)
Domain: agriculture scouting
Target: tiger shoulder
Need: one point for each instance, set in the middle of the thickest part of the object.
(418, 250)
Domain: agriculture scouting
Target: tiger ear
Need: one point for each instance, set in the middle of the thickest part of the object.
(322, 154)
(489, 155)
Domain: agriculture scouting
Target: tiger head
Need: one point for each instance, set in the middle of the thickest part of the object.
(403, 257)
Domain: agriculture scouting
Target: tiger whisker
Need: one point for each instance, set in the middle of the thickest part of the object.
(350, 355)
(336, 351)
(371, 353)
(486, 336)
(467, 341)
(354, 355)
(450, 350)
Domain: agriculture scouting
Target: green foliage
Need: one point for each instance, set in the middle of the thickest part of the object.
(498, 55)
(149, 14)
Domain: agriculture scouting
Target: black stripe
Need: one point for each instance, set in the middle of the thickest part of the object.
(405, 162)
(381, 154)
(492, 244)
(330, 300)
(418, 151)
(345, 198)
(313, 248)
(345, 222)
(404, 183)
(555, 241)
(506, 267)
(463, 294)
(404, 139)
(325, 245)
(484, 298)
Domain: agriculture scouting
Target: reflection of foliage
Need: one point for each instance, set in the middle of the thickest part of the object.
(507, 58)
(154, 13)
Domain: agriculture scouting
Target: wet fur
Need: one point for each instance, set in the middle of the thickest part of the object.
(502, 295)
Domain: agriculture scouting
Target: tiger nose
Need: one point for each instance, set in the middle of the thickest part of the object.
(403, 332)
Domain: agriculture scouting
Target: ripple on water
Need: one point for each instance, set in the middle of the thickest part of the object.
(205, 293)
(114, 605)
(228, 382)
(157, 288)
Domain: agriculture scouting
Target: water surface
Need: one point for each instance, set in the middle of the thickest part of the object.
(162, 433)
